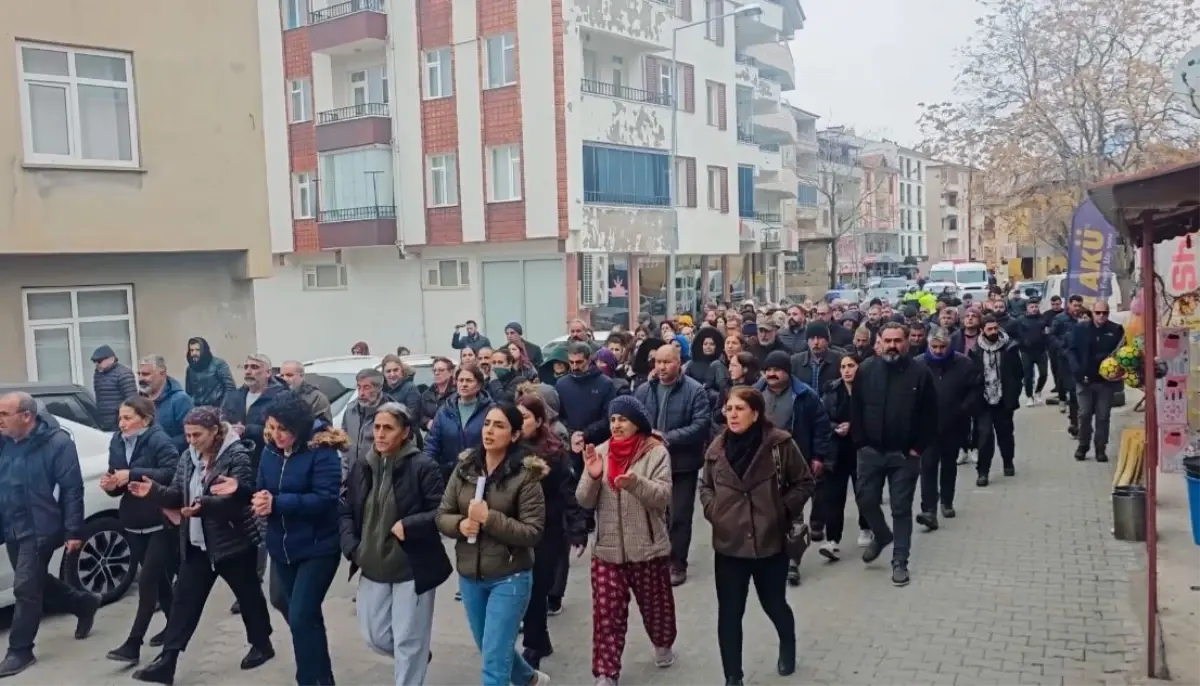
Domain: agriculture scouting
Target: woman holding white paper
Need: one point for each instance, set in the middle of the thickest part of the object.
(495, 509)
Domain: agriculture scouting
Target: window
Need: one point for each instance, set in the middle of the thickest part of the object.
(64, 325)
(920, 220)
(78, 106)
(300, 100)
(295, 13)
(358, 87)
(504, 173)
(661, 82)
(500, 58)
(439, 79)
(447, 274)
(625, 176)
(685, 173)
(303, 198)
(666, 82)
(920, 242)
(683, 9)
(745, 192)
(716, 104)
(718, 189)
(714, 30)
(324, 277)
(920, 195)
(442, 183)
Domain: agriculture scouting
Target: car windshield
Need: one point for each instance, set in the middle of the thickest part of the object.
(899, 282)
(972, 276)
(941, 275)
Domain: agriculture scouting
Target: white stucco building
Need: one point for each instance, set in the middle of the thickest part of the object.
(914, 200)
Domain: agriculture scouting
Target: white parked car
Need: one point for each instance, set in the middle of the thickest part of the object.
(334, 376)
(105, 565)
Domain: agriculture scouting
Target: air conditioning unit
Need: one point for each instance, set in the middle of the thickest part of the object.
(593, 279)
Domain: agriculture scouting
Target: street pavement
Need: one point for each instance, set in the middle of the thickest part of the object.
(1025, 586)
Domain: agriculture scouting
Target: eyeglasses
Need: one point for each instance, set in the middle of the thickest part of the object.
(1100, 312)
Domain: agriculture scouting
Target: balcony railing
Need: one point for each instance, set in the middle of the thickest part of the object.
(612, 90)
(768, 217)
(642, 199)
(344, 8)
(745, 136)
(369, 109)
(745, 59)
(357, 214)
(769, 147)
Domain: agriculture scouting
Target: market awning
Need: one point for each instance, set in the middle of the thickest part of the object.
(1171, 194)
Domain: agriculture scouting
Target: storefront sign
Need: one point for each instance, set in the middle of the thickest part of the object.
(1090, 253)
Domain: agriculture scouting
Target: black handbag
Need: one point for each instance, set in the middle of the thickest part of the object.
(796, 536)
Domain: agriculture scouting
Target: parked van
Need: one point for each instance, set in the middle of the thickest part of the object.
(1056, 284)
(970, 277)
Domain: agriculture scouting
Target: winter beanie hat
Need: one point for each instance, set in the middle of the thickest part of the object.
(632, 409)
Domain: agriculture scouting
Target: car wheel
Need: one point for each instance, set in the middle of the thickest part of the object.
(104, 566)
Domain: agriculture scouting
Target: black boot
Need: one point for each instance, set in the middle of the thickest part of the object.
(928, 520)
(158, 639)
(161, 670)
(129, 652)
(876, 547)
(734, 681)
(981, 481)
(14, 663)
(786, 665)
(257, 657)
(793, 575)
(87, 617)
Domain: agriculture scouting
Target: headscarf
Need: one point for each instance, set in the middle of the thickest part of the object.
(685, 348)
(608, 358)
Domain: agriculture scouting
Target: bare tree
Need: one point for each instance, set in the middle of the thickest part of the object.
(842, 196)
(1055, 95)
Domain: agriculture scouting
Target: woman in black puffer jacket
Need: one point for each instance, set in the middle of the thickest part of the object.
(831, 495)
(141, 449)
(566, 524)
(218, 538)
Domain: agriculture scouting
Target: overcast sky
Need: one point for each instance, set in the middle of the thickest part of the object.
(867, 63)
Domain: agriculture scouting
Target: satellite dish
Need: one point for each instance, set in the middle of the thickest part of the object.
(1185, 78)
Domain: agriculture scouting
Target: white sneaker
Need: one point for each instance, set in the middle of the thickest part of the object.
(964, 457)
(974, 457)
(663, 657)
(865, 538)
(605, 681)
(831, 551)
(1028, 402)
(540, 678)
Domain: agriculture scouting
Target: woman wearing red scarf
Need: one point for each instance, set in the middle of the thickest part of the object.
(627, 480)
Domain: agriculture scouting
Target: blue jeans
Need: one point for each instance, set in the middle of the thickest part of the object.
(494, 611)
(303, 585)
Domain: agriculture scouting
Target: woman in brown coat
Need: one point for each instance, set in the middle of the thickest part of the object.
(753, 485)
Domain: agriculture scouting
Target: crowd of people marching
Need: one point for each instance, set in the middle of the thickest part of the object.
(523, 457)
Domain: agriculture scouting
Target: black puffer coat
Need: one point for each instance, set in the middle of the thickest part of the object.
(112, 387)
(208, 379)
(154, 456)
(229, 527)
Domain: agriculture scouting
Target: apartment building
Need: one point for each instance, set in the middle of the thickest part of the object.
(914, 199)
(531, 177)
(950, 211)
(134, 212)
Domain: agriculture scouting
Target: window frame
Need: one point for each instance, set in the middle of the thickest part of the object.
(72, 323)
(449, 173)
(71, 83)
(508, 44)
(445, 72)
(301, 7)
(306, 92)
(304, 182)
(462, 268)
(514, 162)
(314, 271)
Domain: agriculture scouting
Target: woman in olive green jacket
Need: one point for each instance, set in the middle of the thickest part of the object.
(495, 536)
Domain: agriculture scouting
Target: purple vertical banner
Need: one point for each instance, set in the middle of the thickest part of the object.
(1091, 246)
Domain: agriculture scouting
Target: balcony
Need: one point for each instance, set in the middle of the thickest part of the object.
(356, 227)
(747, 233)
(780, 184)
(767, 90)
(774, 62)
(647, 24)
(354, 127)
(771, 239)
(745, 74)
(611, 90)
(348, 27)
(765, 27)
(769, 217)
(775, 127)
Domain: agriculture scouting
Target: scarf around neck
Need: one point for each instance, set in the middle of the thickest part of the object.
(621, 453)
(991, 352)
